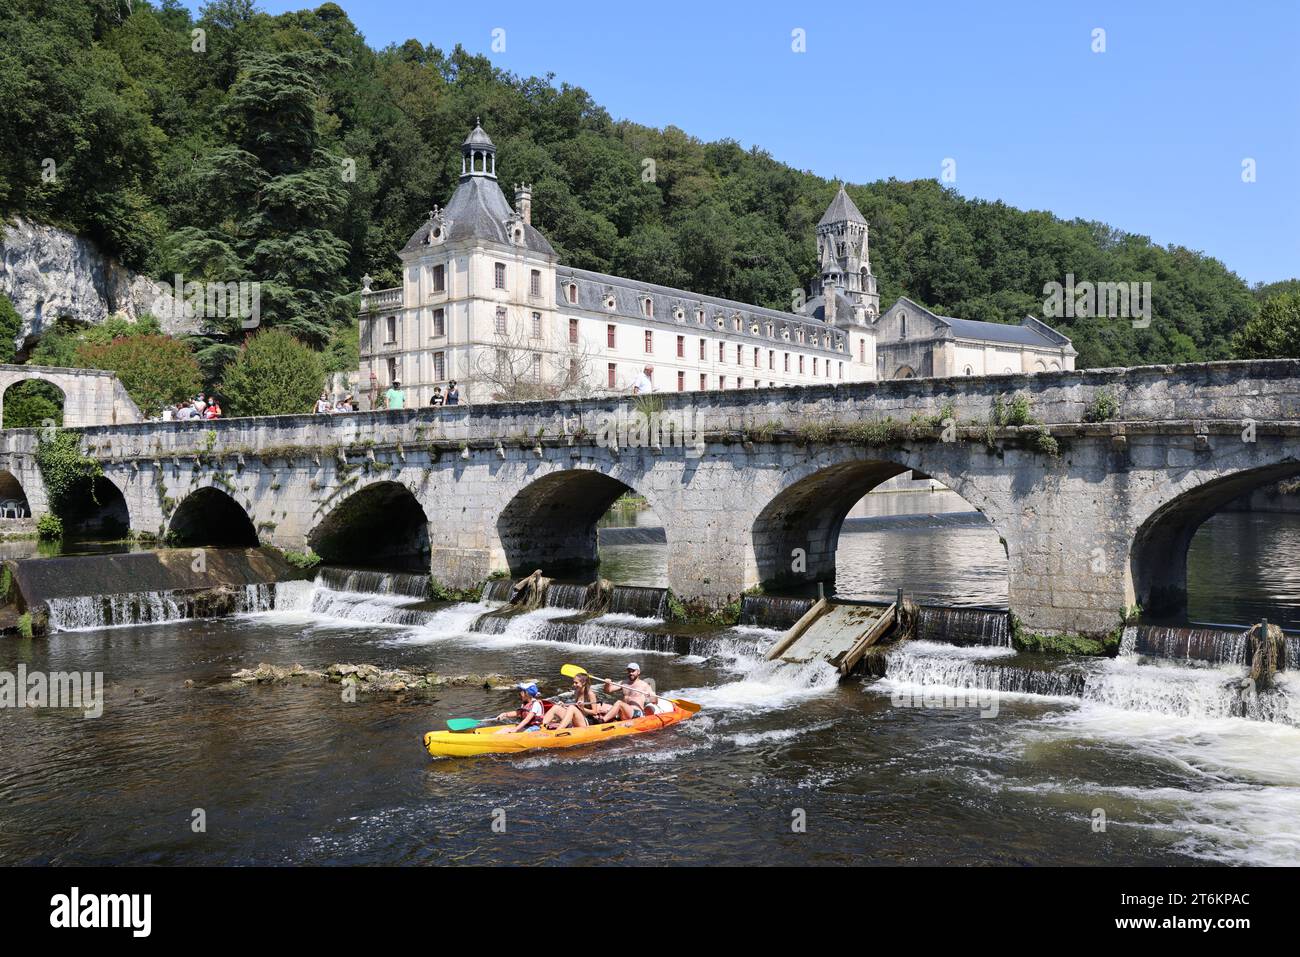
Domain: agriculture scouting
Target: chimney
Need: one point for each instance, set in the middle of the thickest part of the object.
(828, 301)
(524, 202)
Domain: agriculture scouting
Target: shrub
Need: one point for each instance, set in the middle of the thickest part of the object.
(304, 560)
(274, 374)
(49, 527)
(10, 325)
(1103, 408)
(156, 370)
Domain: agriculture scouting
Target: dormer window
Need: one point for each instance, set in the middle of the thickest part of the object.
(699, 316)
(717, 321)
(680, 314)
(736, 322)
(753, 330)
(573, 292)
(609, 302)
(648, 307)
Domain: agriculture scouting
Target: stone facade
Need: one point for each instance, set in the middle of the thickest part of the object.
(90, 396)
(485, 301)
(1099, 526)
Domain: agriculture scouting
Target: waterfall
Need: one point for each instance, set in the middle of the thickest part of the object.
(963, 626)
(498, 589)
(770, 611)
(611, 632)
(639, 601)
(1130, 682)
(371, 581)
(85, 612)
(570, 595)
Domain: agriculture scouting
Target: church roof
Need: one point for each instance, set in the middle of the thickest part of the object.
(816, 307)
(479, 210)
(1031, 332)
(842, 208)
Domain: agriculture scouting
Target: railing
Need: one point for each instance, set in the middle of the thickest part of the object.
(381, 298)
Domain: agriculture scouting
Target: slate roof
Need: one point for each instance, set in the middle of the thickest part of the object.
(841, 208)
(1031, 332)
(479, 210)
(628, 294)
(816, 307)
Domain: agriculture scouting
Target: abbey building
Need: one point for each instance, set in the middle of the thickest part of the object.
(485, 301)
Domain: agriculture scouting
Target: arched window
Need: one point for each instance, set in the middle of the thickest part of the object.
(902, 325)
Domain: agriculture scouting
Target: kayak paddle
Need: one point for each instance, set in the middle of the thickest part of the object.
(571, 671)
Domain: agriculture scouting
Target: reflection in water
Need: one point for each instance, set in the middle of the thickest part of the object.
(1243, 567)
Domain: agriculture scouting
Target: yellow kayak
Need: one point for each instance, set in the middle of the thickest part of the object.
(498, 739)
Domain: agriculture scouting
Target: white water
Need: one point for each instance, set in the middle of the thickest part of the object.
(130, 609)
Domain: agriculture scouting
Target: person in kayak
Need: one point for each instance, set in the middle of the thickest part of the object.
(584, 711)
(530, 711)
(636, 692)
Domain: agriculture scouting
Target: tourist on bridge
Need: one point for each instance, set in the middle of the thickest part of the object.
(645, 383)
(323, 405)
(213, 410)
(395, 398)
(453, 394)
(436, 399)
(345, 404)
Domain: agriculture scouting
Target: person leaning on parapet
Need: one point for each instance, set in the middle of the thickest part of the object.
(345, 404)
(323, 404)
(453, 394)
(645, 383)
(395, 398)
(436, 399)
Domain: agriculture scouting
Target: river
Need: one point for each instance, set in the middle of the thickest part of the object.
(1125, 761)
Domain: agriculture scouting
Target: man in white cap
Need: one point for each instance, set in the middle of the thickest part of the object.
(636, 693)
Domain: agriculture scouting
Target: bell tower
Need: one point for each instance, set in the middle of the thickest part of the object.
(844, 255)
(478, 156)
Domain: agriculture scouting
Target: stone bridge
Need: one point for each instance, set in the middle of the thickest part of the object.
(90, 396)
(1094, 480)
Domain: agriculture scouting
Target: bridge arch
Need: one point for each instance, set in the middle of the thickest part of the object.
(13, 497)
(1158, 553)
(380, 524)
(796, 535)
(31, 403)
(210, 516)
(551, 522)
(95, 509)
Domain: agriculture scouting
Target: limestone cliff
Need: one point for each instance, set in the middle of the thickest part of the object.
(49, 273)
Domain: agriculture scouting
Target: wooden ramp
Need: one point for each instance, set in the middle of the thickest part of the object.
(838, 633)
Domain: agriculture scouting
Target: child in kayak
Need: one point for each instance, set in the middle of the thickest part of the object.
(530, 711)
(585, 709)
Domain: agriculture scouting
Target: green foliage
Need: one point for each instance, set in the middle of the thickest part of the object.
(1275, 332)
(49, 527)
(440, 592)
(64, 469)
(10, 325)
(156, 370)
(25, 625)
(274, 374)
(6, 584)
(59, 344)
(1103, 407)
(32, 403)
(1023, 640)
(114, 92)
(304, 559)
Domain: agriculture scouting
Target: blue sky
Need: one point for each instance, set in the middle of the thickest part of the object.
(1148, 136)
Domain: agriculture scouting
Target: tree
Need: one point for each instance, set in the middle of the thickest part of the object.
(274, 374)
(10, 325)
(31, 404)
(157, 371)
(1274, 333)
(512, 370)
